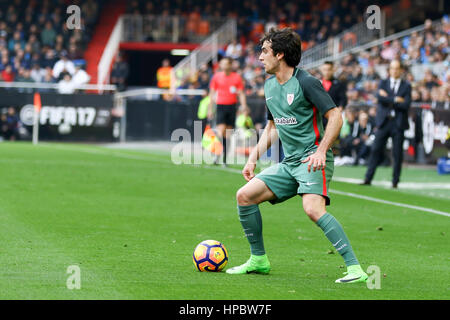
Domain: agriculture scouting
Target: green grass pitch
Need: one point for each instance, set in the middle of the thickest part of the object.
(131, 219)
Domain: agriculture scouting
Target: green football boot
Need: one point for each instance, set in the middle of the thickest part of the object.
(354, 274)
(256, 264)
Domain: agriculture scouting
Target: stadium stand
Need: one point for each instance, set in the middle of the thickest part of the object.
(424, 53)
(34, 39)
(425, 50)
(36, 45)
(315, 21)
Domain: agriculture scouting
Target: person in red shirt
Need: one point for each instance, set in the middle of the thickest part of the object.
(8, 74)
(226, 87)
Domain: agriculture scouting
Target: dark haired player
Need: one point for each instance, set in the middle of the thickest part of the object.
(296, 102)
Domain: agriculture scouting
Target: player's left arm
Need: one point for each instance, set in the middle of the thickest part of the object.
(316, 94)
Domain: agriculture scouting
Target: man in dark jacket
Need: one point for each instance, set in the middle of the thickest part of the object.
(394, 99)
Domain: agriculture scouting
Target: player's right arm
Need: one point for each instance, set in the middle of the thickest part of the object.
(268, 136)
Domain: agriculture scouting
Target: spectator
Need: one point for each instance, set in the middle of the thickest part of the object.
(234, 50)
(66, 86)
(3, 39)
(74, 53)
(8, 74)
(48, 78)
(353, 98)
(119, 73)
(49, 58)
(24, 76)
(16, 39)
(63, 65)
(429, 80)
(334, 87)
(34, 43)
(4, 62)
(48, 35)
(345, 137)
(37, 73)
(163, 75)
(362, 131)
(80, 77)
(10, 125)
(204, 80)
(90, 10)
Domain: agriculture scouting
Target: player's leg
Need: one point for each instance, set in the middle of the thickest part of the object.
(273, 184)
(248, 197)
(313, 187)
(314, 206)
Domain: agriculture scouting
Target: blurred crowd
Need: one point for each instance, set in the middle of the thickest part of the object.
(314, 20)
(425, 55)
(36, 44)
(427, 51)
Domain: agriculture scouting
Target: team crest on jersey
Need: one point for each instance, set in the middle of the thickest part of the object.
(290, 98)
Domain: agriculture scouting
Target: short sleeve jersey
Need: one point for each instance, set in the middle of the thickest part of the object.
(297, 107)
(226, 87)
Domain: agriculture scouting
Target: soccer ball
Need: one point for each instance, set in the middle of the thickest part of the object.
(210, 255)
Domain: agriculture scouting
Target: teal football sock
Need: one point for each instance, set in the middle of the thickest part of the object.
(251, 221)
(335, 233)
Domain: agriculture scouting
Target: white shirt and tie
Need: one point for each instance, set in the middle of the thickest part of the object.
(394, 84)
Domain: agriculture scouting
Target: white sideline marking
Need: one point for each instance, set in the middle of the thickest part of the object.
(398, 204)
(354, 195)
(402, 185)
(349, 194)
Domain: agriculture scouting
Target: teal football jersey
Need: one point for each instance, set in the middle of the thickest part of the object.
(297, 107)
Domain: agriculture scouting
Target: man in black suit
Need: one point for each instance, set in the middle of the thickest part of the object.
(335, 88)
(394, 99)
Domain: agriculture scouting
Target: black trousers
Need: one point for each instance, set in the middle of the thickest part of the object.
(388, 129)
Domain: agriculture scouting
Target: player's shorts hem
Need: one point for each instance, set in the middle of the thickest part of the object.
(327, 198)
(278, 198)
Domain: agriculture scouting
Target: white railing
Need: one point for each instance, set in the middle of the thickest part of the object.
(348, 39)
(159, 28)
(206, 52)
(157, 91)
(22, 86)
(310, 64)
(109, 52)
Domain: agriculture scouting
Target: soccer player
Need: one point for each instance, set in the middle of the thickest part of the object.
(296, 102)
